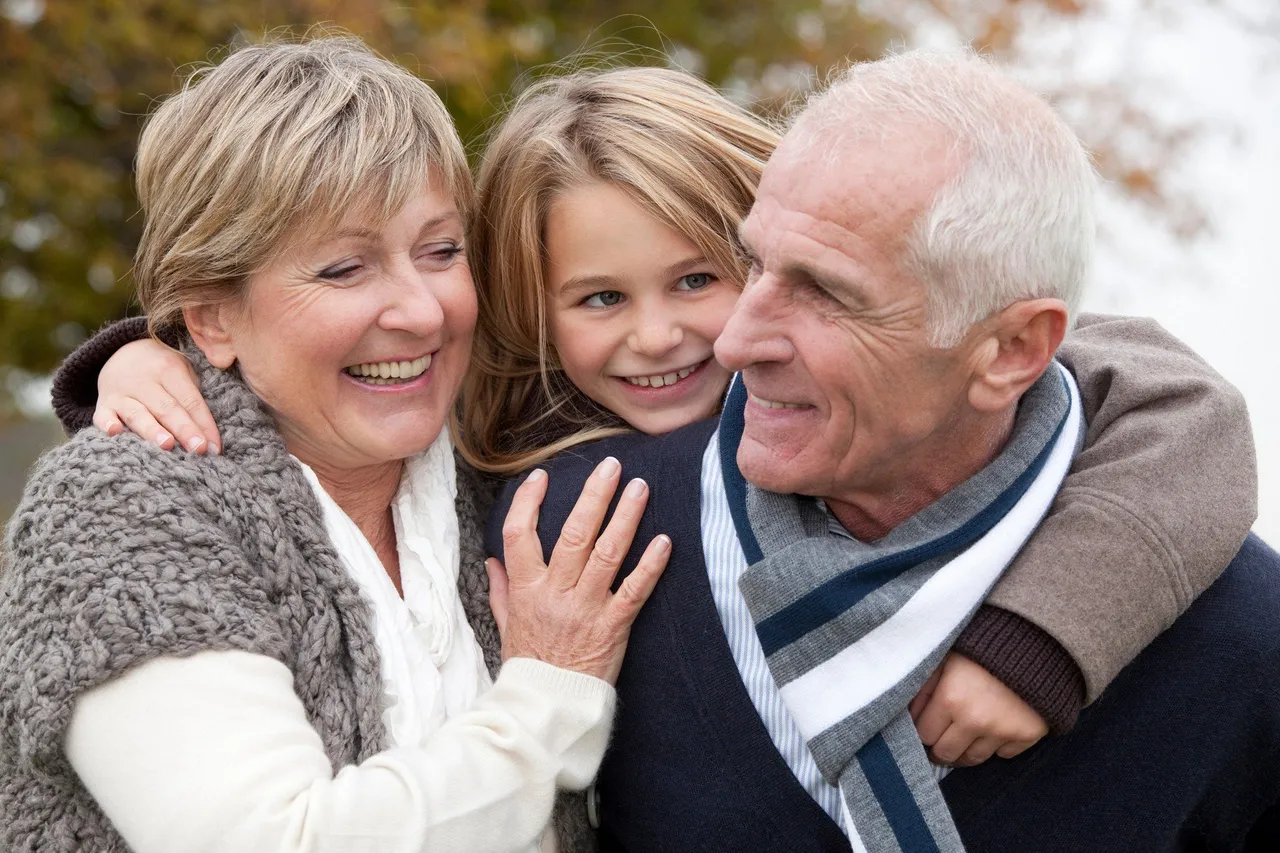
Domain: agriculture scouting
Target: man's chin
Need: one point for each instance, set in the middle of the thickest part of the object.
(767, 470)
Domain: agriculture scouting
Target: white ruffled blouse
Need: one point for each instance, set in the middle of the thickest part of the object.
(432, 666)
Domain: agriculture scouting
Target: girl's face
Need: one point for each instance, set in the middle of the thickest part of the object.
(635, 309)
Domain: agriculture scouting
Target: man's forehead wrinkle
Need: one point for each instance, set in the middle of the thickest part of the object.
(796, 246)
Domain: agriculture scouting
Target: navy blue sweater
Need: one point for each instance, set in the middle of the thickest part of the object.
(692, 768)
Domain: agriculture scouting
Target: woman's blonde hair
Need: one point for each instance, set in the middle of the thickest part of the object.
(675, 146)
(276, 140)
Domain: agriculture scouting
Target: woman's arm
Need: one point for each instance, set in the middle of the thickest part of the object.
(1156, 505)
(215, 752)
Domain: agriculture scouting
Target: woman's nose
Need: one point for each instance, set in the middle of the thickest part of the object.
(412, 304)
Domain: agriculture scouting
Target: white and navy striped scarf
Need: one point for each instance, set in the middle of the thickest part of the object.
(852, 630)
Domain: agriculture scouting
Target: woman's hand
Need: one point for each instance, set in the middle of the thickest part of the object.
(964, 715)
(152, 391)
(563, 612)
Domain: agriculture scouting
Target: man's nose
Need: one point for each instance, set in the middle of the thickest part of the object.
(657, 333)
(753, 333)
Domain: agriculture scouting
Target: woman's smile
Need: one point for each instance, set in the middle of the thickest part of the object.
(393, 374)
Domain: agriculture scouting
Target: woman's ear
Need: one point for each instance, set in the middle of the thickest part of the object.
(1022, 344)
(211, 328)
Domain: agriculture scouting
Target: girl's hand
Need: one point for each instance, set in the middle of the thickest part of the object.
(152, 391)
(964, 715)
(563, 612)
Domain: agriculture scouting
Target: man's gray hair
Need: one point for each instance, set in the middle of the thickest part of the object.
(1017, 219)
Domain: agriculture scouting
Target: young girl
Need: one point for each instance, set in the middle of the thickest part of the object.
(604, 254)
(605, 260)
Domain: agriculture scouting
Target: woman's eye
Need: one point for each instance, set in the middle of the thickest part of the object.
(439, 256)
(603, 299)
(339, 272)
(695, 281)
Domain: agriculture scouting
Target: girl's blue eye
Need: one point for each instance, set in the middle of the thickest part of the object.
(603, 299)
(695, 281)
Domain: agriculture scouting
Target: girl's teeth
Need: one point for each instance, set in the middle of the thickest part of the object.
(662, 379)
(389, 372)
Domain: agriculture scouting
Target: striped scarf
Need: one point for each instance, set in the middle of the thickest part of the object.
(852, 630)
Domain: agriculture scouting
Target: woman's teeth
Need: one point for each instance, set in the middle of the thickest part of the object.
(661, 379)
(390, 372)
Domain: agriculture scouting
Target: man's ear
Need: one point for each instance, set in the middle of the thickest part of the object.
(211, 329)
(1021, 341)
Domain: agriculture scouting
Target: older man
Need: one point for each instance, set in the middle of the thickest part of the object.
(919, 242)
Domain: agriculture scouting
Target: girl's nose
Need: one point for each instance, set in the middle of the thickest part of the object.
(656, 335)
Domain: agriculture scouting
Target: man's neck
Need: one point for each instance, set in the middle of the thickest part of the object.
(872, 514)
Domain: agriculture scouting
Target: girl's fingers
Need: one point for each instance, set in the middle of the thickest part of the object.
(615, 542)
(639, 585)
(180, 383)
(174, 418)
(932, 722)
(497, 592)
(139, 420)
(521, 548)
(953, 743)
(979, 751)
(106, 420)
(578, 536)
(1015, 747)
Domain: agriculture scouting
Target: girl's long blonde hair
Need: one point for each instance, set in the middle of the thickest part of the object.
(675, 146)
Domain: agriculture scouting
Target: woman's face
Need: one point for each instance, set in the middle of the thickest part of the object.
(357, 340)
(635, 310)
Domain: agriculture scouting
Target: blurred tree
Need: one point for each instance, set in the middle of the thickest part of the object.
(76, 80)
(1114, 101)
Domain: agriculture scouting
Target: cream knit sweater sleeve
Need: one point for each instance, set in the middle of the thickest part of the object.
(214, 752)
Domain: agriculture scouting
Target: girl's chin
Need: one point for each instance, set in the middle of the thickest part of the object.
(662, 421)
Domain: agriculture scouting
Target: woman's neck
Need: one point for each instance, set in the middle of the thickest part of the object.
(365, 495)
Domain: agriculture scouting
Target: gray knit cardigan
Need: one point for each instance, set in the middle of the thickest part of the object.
(121, 552)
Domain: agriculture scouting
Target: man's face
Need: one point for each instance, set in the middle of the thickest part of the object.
(846, 395)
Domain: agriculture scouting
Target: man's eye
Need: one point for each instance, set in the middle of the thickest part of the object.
(695, 281)
(603, 299)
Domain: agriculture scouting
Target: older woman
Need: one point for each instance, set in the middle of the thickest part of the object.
(267, 649)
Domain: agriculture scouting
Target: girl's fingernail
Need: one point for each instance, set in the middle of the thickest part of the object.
(161, 438)
(608, 467)
(195, 443)
(664, 542)
(636, 488)
(536, 474)
(214, 448)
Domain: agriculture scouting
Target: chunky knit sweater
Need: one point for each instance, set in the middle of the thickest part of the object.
(121, 553)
